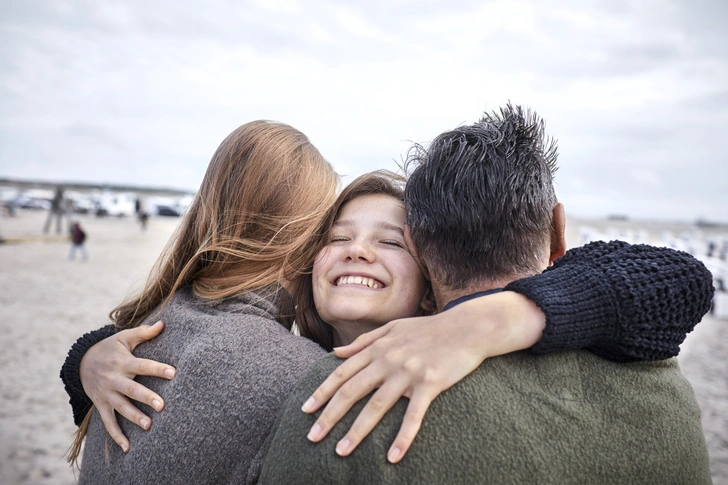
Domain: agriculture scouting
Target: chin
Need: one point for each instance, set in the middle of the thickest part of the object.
(354, 319)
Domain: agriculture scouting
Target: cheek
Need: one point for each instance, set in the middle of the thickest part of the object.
(319, 277)
(320, 264)
(415, 284)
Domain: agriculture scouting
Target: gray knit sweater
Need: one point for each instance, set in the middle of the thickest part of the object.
(236, 366)
(566, 418)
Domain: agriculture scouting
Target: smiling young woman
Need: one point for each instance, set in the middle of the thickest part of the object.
(366, 276)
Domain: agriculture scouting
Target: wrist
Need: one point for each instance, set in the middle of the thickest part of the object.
(504, 322)
(525, 318)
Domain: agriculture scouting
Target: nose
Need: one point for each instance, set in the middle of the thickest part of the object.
(360, 250)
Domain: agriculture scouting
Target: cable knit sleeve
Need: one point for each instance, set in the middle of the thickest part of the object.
(80, 402)
(622, 302)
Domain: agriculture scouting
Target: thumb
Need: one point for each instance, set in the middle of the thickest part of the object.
(140, 334)
(363, 341)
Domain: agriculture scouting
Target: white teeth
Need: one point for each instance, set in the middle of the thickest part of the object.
(358, 280)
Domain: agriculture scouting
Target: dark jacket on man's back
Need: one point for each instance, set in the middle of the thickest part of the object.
(563, 418)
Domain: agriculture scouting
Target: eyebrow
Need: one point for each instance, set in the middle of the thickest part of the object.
(381, 225)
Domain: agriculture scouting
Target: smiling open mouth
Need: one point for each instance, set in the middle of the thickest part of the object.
(359, 280)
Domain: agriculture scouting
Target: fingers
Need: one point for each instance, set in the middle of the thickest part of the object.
(362, 341)
(134, 336)
(349, 393)
(373, 412)
(112, 427)
(124, 407)
(418, 406)
(334, 382)
(134, 390)
(146, 367)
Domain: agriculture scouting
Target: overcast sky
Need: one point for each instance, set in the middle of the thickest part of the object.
(143, 91)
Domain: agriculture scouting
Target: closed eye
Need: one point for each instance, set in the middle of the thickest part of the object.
(393, 242)
(338, 239)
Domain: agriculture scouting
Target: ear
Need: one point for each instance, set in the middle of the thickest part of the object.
(427, 304)
(558, 237)
(415, 254)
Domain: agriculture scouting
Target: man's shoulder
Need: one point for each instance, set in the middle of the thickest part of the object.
(319, 371)
(539, 409)
(576, 375)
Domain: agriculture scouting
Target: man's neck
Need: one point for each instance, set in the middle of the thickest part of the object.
(444, 295)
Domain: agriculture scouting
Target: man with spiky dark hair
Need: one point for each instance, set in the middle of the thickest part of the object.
(481, 204)
(483, 215)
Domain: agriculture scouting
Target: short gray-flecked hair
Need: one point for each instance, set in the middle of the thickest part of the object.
(480, 198)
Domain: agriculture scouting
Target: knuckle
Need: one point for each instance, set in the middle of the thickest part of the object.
(414, 420)
(431, 376)
(394, 357)
(363, 337)
(325, 421)
(346, 392)
(356, 433)
(115, 360)
(130, 389)
(340, 373)
(413, 365)
(376, 404)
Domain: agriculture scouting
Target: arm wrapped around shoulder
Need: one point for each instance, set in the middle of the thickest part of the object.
(621, 301)
(80, 402)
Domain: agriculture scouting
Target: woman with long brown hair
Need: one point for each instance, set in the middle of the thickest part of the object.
(248, 232)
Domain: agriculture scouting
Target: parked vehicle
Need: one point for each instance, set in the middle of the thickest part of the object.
(116, 204)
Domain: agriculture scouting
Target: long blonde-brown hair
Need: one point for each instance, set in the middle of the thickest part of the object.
(252, 224)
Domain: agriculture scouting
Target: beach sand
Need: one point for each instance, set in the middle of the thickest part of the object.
(47, 302)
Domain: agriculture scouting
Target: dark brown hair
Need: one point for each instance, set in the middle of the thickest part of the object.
(480, 198)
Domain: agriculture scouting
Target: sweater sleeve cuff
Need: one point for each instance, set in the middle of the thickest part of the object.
(70, 372)
(579, 311)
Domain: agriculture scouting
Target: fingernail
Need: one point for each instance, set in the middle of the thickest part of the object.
(393, 455)
(308, 405)
(315, 432)
(170, 373)
(144, 422)
(156, 405)
(343, 447)
(124, 447)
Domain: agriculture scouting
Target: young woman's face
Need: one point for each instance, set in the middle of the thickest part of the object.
(366, 276)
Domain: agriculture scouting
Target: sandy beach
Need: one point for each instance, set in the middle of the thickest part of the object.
(48, 301)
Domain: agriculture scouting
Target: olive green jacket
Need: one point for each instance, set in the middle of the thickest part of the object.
(562, 418)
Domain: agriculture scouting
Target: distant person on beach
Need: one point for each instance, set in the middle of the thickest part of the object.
(78, 240)
(143, 218)
(9, 206)
(223, 287)
(568, 417)
(58, 209)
